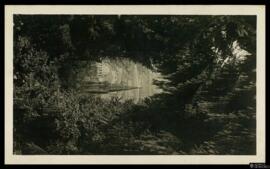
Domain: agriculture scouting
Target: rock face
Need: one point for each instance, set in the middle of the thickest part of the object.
(118, 77)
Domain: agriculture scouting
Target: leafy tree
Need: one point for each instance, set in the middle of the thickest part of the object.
(208, 86)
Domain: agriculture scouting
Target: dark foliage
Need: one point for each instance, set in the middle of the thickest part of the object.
(209, 103)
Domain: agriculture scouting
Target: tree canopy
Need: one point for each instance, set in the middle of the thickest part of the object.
(209, 86)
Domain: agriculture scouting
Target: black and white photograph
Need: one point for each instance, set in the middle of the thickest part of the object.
(135, 84)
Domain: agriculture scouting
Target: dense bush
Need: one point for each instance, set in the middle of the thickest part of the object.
(208, 105)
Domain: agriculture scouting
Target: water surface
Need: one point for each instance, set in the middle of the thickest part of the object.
(120, 78)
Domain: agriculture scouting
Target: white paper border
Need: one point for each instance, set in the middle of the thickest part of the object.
(258, 10)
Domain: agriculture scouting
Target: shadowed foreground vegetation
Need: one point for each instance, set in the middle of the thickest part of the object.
(209, 100)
